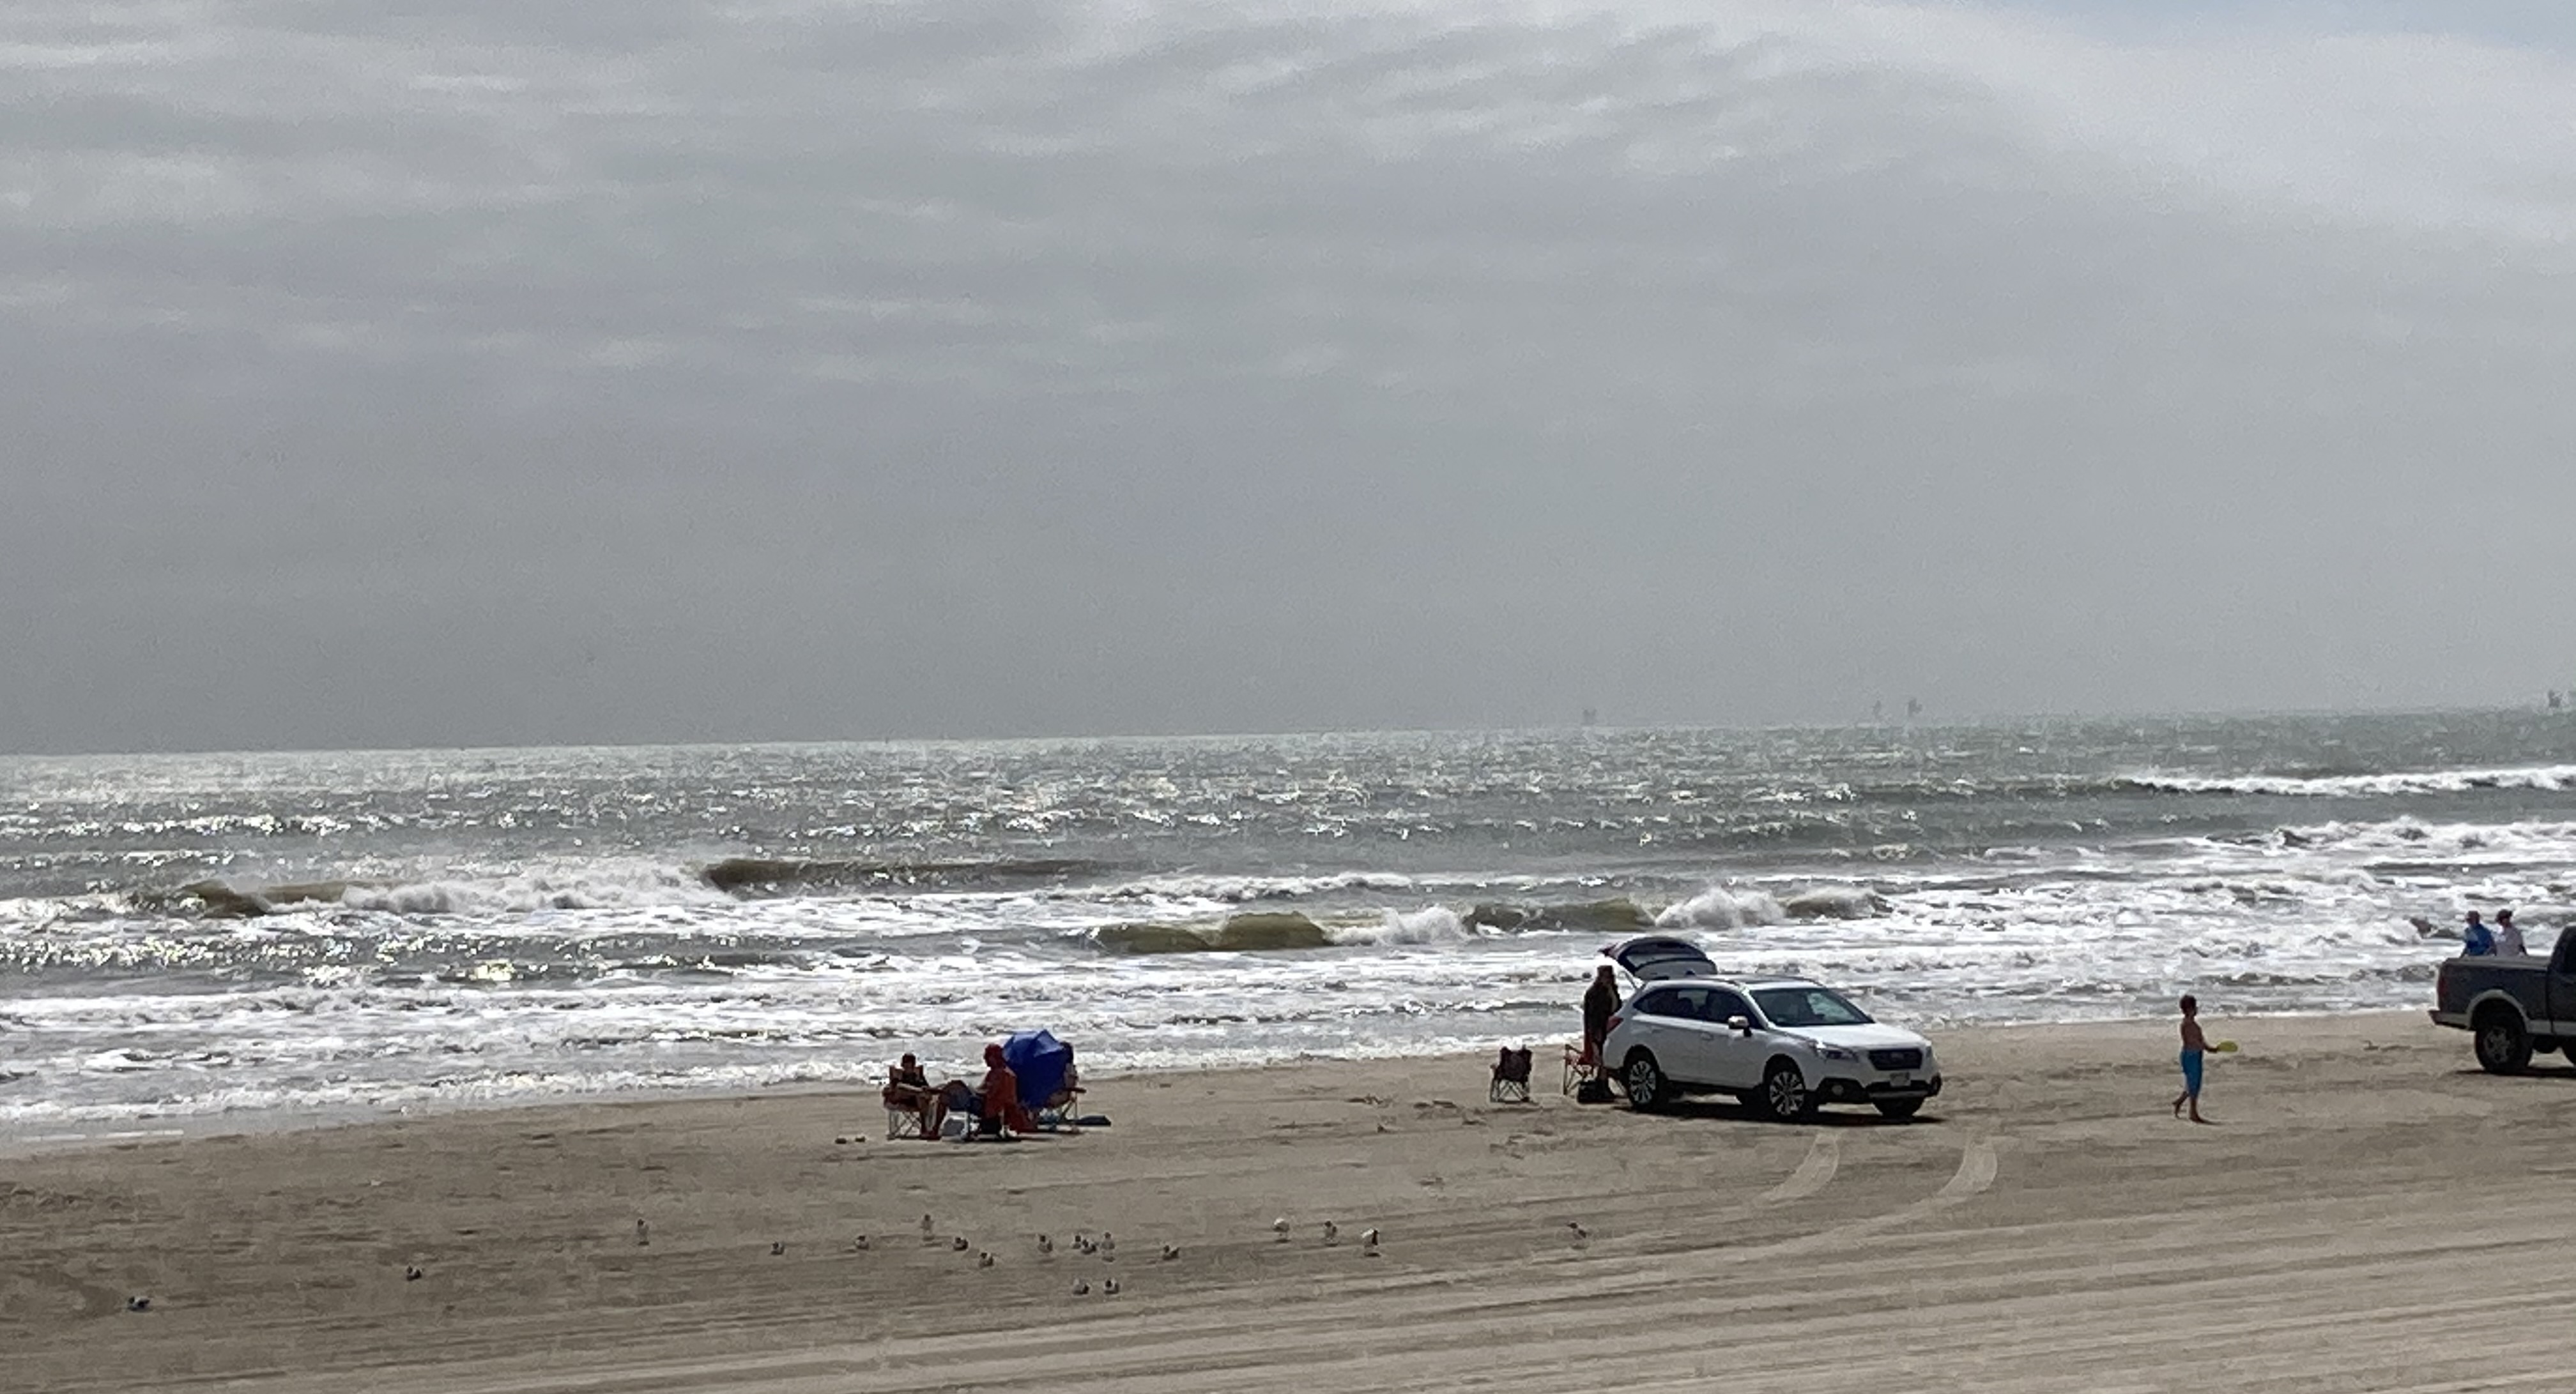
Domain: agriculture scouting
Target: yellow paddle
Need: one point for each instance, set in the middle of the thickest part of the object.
(2225, 1047)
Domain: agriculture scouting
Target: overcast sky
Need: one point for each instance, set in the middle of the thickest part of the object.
(498, 371)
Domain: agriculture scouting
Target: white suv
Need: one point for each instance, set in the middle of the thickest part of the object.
(1782, 1045)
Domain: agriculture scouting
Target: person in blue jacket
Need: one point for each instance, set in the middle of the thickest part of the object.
(2476, 940)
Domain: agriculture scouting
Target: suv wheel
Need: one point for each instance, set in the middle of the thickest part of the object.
(2504, 1048)
(1645, 1080)
(1784, 1092)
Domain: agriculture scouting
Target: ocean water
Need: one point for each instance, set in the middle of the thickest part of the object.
(209, 934)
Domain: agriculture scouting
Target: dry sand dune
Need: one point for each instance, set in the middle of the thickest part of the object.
(2371, 1214)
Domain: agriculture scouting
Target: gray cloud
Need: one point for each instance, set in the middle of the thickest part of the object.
(422, 374)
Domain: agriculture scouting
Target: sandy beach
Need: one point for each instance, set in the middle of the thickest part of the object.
(2370, 1213)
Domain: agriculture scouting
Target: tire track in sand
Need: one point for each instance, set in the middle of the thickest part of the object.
(1815, 1171)
(1976, 1172)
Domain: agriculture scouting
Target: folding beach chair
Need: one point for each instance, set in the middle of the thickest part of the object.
(1060, 1111)
(1511, 1077)
(1050, 1087)
(907, 1122)
(1585, 1080)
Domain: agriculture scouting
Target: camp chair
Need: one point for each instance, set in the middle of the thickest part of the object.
(907, 1122)
(1050, 1088)
(1511, 1077)
(1583, 1073)
(1061, 1111)
(904, 1119)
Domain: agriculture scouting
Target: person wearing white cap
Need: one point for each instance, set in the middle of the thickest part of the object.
(2508, 938)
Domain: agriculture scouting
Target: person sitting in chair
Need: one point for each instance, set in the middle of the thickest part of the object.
(908, 1090)
(997, 1103)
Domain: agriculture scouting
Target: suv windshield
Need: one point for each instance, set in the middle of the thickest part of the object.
(1809, 1006)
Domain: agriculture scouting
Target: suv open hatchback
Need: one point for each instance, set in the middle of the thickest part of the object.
(1781, 1045)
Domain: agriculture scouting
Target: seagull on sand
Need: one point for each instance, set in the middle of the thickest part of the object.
(777, 1248)
(138, 1304)
(1046, 1246)
(1332, 1232)
(1280, 1227)
(1580, 1233)
(925, 1228)
(860, 1243)
(1368, 1239)
(1081, 1288)
(959, 1244)
(1108, 1242)
(984, 1259)
(643, 1235)
(1109, 1286)
(1171, 1252)
(412, 1273)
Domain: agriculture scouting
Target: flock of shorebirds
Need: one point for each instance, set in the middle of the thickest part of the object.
(1103, 1247)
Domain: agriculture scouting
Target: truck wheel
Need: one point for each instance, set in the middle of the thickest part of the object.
(1784, 1092)
(2504, 1047)
(1645, 1081)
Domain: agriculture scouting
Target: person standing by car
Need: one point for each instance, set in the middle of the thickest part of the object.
(1600, 1003)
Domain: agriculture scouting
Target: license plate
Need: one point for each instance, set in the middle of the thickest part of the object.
(1900, 1081)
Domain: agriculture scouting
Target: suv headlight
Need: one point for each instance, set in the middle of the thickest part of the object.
(1837, 1053)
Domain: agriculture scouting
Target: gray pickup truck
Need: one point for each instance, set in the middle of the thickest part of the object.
(2511, 1005)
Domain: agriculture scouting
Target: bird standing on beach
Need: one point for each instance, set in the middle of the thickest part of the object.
(1108, 1242)
(1081, 1288)
(1332, 1232)
(1046, 1247)
(959, 1244)
(860, 1243)
(1109, 1286)
(412, 1273)
(1171, 1252)
(643, 1235)
(778, 1248)
(926, 1232)
(1368, 1240)
(1280, 1227)
(1580, 1233)
(984, 1259)
(138, 1304)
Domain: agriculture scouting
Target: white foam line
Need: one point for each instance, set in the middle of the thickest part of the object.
(118, 1135)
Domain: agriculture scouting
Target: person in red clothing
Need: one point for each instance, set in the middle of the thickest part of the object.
(997, 1103)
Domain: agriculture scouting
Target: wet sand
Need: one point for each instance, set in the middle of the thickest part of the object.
(2370, 1214)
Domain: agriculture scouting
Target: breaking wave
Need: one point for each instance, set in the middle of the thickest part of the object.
(1737, 907)
(1721, 908)
(1616, 915)
(752, 874)
(1235, 890)
(1432, 925)
(1275, 932)
(601, 887)
(2549, 778)
(1239, 934)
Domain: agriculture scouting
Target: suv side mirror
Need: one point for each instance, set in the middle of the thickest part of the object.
(1739, 1026)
